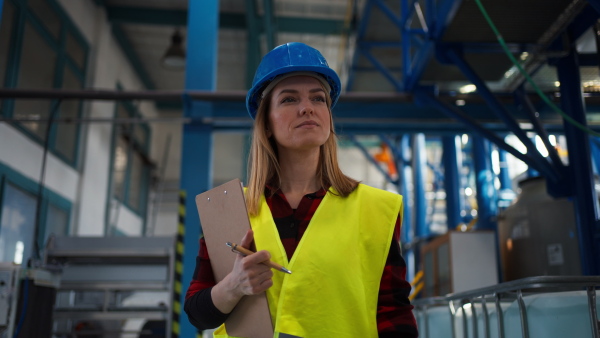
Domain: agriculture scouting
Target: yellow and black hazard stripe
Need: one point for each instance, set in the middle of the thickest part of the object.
(175, 320)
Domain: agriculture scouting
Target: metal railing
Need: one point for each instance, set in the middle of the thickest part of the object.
(513, 291)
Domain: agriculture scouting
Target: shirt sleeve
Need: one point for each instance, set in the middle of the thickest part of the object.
(394, 311)
(199, 306)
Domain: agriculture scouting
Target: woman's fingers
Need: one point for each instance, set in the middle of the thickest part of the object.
(246, 241)
(253, 277)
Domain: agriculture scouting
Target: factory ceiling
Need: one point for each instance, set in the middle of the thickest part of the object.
(382, 46)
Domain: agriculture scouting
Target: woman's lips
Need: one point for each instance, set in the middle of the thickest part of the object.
(308, 124)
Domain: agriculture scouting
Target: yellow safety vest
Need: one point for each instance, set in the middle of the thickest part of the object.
(336, 268)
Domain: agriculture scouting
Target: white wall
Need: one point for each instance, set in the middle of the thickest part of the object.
(110, 67)
(87, 186)
(22, 154)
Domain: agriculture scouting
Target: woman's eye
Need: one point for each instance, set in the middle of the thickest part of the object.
(319, 98)
(288, 99)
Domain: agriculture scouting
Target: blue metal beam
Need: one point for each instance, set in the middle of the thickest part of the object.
(384, 71)
(360, 34)
(452, 161)
(538, 161)
(578, 26)
(196, 156)
(471, 123)
(595, 146)
(589, 60)
(585, 201)
(388, 12)
(444, 13)
(404, 117)
(419, 165)
(1, 7)
(406, 40)
(133, 58)
(405, 179)
(404, 170)
(539, 128)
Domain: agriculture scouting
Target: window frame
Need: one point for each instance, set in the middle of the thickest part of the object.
(13, 177)
(144, 151)
(24, 15)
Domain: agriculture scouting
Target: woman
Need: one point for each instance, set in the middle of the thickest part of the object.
(339, 237)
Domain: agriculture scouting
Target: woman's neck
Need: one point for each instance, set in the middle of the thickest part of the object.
(298, 174)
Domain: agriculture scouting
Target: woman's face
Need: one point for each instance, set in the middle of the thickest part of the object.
(298, 116)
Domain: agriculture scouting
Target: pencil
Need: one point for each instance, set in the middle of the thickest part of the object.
(245, 252)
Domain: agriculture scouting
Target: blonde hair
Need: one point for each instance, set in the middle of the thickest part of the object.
(263, 162)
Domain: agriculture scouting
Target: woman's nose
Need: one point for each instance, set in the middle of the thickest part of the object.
(306, 108)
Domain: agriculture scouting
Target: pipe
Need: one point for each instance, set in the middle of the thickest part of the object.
(235, 95)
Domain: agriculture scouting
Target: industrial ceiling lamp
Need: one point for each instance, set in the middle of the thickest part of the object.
(174, 58)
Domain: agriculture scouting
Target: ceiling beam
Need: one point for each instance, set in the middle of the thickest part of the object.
(178, 17)
(132, 56)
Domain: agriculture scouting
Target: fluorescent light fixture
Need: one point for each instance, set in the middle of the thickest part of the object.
(468, 89)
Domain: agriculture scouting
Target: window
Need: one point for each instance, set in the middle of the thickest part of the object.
(18, 210)
(41, 48)
(131, 166)
(17, 225)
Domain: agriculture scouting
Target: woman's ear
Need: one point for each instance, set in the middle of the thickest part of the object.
(268, 132)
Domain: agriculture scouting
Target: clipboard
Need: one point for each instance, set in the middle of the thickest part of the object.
(224, 218)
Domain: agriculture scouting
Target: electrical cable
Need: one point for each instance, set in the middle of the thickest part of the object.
(25, 302)
(526, 75)
(36, 245)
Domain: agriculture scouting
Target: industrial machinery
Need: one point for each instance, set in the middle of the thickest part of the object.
(113, 286)
(26, 299)
(450, 262)
(538, 235)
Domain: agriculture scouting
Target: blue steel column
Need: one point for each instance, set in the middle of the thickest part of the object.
(578, 144)
(487, 204)
(595, 147)
(532, 172)
(196, 157)
(1, 7)
(452, 160)
(419, 164)
(404, 179)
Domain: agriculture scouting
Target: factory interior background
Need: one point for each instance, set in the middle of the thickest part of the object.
(115, 114)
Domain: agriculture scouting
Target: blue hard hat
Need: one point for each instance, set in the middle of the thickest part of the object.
(287, 58)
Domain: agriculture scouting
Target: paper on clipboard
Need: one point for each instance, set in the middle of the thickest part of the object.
(224, 219)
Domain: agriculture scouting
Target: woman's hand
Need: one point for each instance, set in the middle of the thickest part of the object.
(248, 277)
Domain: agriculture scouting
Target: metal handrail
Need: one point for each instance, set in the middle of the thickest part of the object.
(548, 284)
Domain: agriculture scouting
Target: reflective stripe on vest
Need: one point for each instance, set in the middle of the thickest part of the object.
(336, 268)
